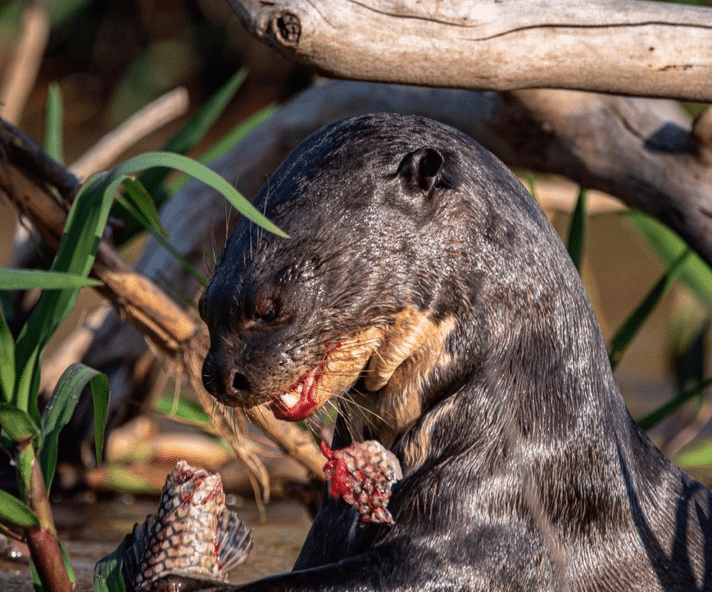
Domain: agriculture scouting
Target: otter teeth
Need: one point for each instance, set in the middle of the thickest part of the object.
(289, 400)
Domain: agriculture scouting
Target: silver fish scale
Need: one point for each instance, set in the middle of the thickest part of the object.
(192, 534)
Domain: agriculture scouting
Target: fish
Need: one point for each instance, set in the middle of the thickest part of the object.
(192, 534)
(363, 475)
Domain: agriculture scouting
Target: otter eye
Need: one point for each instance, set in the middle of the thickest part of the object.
(266, 308)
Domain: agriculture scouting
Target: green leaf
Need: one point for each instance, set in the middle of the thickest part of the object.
(100, 395)
(192, 132)
(17, 423)
(204, 174)
(7, 360)
(123, 479)
(700, 457)
(184, 141)
(227, 142)
(107, 571)
(199, 277)
(696, 274)
(61, 407)
(53, 124)
(144, 204)
(77, 249)
(28, 279)
(237, 133)
(15, 511)
(531, 184)
(577, 230)
(652, 419)
(630, 327)
(182, 409)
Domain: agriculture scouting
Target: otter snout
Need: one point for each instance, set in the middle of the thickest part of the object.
(224, 381)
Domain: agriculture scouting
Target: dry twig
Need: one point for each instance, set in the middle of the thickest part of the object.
(22, 72)
(163, 110)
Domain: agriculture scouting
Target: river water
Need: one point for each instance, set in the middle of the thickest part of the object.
(91, 530)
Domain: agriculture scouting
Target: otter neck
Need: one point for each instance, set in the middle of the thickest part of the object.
(541, 375)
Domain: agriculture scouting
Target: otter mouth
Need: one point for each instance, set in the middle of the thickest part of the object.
(392, 360)
(301, 400)
(344, 360)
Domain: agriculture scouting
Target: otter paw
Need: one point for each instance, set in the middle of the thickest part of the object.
(363, 475)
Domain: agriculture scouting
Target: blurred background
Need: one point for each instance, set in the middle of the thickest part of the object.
(110, 58)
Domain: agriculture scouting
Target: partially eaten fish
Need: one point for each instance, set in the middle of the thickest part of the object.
(193, 534)
(363, 475)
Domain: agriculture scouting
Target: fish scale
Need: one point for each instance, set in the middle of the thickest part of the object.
(192, 534)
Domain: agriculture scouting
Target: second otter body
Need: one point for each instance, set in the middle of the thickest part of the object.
(425, 294)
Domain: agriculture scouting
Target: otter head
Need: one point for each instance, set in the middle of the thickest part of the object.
(395, 232)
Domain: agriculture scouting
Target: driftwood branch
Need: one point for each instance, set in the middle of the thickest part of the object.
(615, 46)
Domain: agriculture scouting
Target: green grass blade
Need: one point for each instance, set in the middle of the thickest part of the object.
(61, 407)
(54, 145)
(696, 274)
(630, 327)
(29, 279)
(17, 423)
(143, 202)
(226, 142)
(203, 173)
(7, 360)
(183, 409)
(25, 396)
(77, 249)
(652, 419)
(200, 278)
(107, 571)
(100, 395)
(699, 457)
(15, 511)
(182, 142)
(577, 230)
(530, 180)
(237, 133)
(193, 131)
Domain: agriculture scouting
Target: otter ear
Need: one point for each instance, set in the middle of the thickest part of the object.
(422, 168)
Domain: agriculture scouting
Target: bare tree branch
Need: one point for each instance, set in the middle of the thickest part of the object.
(156, 114)
(616, 46)
(21, 75)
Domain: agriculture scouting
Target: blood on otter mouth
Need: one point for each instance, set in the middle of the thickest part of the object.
(300, 401)
(344, 360)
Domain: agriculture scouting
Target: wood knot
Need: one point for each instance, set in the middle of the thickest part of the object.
(286, 29)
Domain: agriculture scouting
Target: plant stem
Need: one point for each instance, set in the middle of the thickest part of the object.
(42, 540)
(47, 557)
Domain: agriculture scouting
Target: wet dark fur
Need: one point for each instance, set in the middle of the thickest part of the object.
(534, 476)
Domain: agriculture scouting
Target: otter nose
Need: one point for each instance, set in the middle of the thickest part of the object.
(223, 381)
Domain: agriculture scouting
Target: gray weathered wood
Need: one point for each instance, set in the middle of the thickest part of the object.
(617, 46)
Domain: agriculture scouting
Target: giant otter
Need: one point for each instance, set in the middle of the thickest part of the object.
(423, 292)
